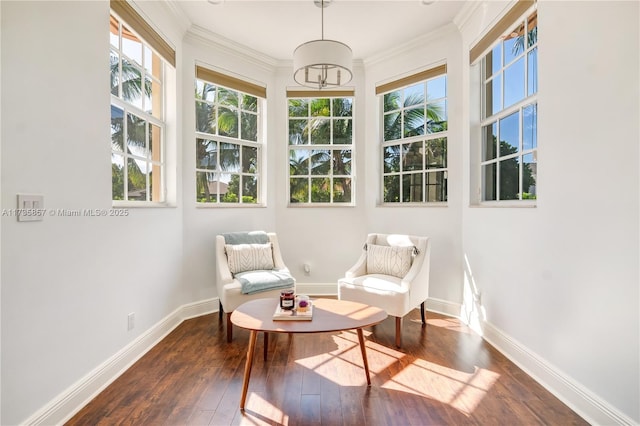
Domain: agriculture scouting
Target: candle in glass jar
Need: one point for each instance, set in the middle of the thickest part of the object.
(287, 299)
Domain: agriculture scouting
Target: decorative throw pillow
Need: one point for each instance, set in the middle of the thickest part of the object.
(249, 257)
(387, 260)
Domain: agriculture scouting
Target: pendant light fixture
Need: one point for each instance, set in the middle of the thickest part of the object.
(322, 64)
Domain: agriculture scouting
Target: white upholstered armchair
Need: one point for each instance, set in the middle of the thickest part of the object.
(249, 266)
(392, 273)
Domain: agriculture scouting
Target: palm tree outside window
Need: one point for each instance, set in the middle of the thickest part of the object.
(228, 144)
(414, 138)
(137, 122)
(321, 149)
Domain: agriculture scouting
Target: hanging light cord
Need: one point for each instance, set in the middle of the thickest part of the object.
(322, 18)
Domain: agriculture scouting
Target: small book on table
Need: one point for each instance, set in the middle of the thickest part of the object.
(295, 314)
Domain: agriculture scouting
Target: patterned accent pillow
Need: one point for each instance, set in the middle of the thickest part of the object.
(249, 257)
(388, 260)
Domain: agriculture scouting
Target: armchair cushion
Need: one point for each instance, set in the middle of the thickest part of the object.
(249, 257)
(384, 291)
(259, 281)
(389, 260)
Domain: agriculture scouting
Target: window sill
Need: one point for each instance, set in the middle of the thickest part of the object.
(431, 204)
(319, 205)
(505, 205)
(229, 206)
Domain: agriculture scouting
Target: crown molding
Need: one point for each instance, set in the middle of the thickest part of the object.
(462, 17)
(409, 46)
(176, 11)
(202, 35)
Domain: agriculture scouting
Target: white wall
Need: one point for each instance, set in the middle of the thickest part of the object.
(68, 283)
(562, 279)
(329, 239)
(0, 226)
(441, 223)
(559, 279)
(202, 224)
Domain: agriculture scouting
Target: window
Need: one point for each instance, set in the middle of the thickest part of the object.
(509, 111)
(414, 138)
(137, 107)
(228, 139)
(321, 148)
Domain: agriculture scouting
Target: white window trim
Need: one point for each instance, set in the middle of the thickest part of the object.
(165, 138)
(329, 147)
(477, 122)
(418, 138)
(260, 144)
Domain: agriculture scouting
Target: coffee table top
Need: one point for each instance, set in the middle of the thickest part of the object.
(328, 315)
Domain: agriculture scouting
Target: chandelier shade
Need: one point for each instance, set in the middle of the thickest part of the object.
(322, 64)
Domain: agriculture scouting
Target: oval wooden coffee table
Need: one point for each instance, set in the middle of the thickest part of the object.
(329, 315)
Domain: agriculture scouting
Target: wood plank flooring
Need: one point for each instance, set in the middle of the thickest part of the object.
(444, 375)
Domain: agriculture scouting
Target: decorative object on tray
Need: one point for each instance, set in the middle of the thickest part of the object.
(297, 314)
(287, 300)
(303, 304)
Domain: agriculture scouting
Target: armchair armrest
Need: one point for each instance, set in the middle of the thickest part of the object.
(278, 262)
(417, 279)
(360, 268)
(224, 274)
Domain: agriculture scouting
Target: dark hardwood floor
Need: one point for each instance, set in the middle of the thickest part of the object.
(444, 375)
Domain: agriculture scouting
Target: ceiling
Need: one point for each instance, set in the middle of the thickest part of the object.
(276, 27)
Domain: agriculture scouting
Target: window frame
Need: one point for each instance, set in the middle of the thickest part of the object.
(520, 14)
(153, 157)
(241, 88)
(425, 171)
(333, 148)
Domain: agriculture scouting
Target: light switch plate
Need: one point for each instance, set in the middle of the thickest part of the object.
(30, 207)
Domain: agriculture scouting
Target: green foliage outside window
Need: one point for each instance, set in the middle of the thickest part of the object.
(320, 150)
(414, 149)
(136, 117)
(227, 153)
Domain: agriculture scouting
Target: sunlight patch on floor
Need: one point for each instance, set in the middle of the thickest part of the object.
(459, 389)
(348, 358)
(462, 390)
(328, 364)
(269, 413)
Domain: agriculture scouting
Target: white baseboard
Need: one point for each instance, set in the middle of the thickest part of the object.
(589, 406)
(69, 402)
(592, 408)
(197, 309)
(584, 402)
(443, 307)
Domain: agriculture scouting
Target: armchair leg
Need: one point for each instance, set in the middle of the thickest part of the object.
(398, 331)
(220, 310)
(229, 328)
(422, 313)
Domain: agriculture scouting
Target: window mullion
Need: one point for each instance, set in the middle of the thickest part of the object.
(147, 162)
(125, 149)
(507, 111)
(521, 148)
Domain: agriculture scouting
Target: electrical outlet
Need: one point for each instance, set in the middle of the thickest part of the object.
(131, 321)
